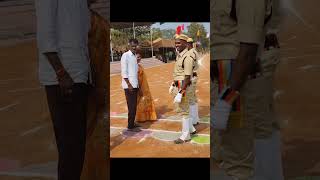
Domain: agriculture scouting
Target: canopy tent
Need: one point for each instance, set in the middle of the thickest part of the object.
(164, 49)
(163, 43)
(124, 25)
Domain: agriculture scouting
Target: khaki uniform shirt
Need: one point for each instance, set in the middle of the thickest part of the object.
(273, 24)
(194, 54)
(183, 65)
(226, 33)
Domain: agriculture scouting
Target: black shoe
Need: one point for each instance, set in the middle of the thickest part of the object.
(180, 141)
(196, 124)
(194, 132)
(135, 129)
(136, 125)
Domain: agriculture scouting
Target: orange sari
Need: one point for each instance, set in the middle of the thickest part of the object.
(145, 108)
(97, 160)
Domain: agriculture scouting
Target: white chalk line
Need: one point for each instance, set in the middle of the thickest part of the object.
(161, 119)
(157, 130)
(8, 106)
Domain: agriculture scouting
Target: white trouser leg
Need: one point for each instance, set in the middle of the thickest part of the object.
(191, 127)
(268, 164)
(185, 129)
(191, 112)
(196, 114)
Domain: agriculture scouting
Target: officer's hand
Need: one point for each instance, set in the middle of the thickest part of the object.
(220, 115)
(178, 98)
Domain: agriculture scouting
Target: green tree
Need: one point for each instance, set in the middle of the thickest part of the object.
(192, 32)
(142, 33)
(156, 33)
(168, 33)
(119, 38)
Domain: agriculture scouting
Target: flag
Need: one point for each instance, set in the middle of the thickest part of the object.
(198, 33)
(178, 31)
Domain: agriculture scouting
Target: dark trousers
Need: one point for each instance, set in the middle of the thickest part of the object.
(131, 97)
(69, 116)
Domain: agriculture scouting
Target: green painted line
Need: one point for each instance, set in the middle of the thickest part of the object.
(205, 119)
(201, 139)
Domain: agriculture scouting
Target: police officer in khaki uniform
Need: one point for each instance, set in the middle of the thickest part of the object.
(182, 75)
(238, 30)
(193, 103)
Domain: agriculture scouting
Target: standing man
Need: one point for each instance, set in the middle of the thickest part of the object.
(193, 109)
(64, 68)
(129, 73)
(182, 75)
(238, 31)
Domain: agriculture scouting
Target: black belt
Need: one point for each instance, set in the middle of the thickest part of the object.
(271, 40)
(194, 74)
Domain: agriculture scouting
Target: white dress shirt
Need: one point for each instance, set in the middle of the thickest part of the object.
(62, 27)
(129, 69)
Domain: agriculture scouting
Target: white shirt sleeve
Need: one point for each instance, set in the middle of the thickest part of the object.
(124, 66)
(46, 15)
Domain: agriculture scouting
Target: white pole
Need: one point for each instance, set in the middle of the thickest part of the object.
(151, 42)
(134, 32)
(111, 48)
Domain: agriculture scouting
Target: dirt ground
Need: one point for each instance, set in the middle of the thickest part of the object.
(26, 129)
(297, 83)
(28, 149)
(156, 139)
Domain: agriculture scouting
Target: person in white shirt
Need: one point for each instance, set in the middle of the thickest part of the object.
(64, 67)
(129, 73)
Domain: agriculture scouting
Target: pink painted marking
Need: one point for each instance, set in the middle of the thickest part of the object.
(7, 164)
(113, 113)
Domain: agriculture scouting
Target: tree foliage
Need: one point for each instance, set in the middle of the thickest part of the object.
(192, 32)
